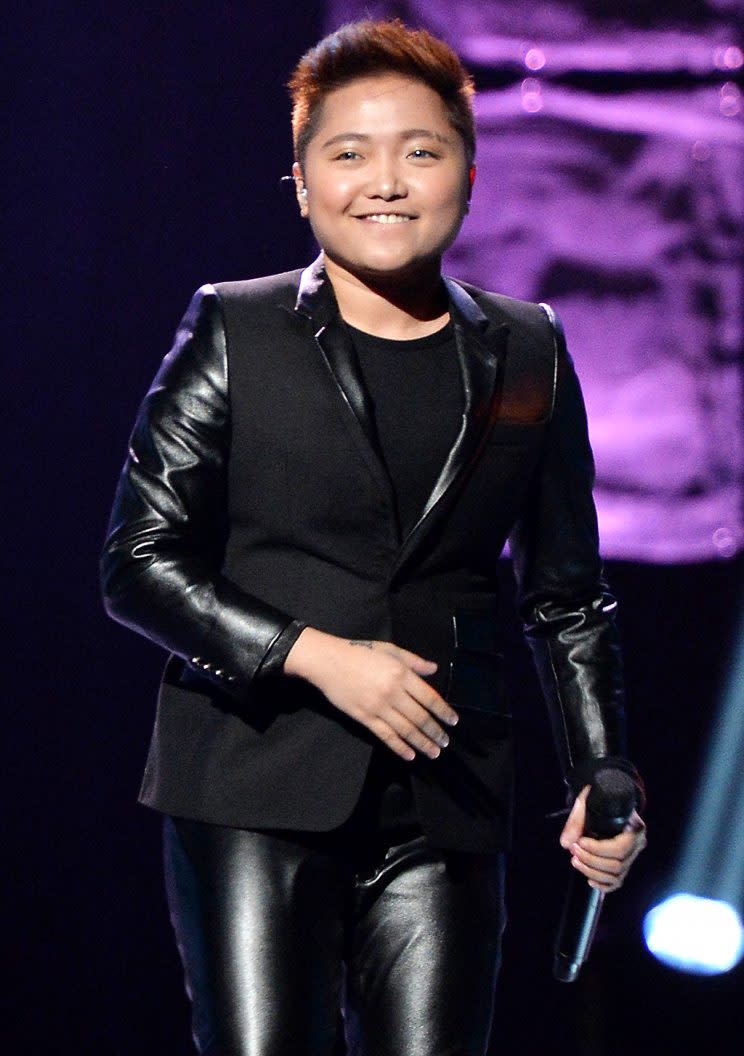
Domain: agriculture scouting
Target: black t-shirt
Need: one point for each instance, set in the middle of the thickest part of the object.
(416, 393)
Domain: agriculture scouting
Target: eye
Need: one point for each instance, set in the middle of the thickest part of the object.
(347, 155)
(422, 152)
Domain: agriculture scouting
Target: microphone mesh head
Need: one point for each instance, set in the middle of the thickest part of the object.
(611, 801)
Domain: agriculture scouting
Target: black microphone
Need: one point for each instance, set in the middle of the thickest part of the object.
(609, 806)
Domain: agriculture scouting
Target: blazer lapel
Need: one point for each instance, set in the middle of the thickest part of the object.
(480, 349)
(317, 302)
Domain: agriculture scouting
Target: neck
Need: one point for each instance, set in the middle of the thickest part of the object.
(397, 308)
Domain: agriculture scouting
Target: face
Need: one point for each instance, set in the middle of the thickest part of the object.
(386, 177)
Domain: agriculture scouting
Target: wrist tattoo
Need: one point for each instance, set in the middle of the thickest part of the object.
(367, 645)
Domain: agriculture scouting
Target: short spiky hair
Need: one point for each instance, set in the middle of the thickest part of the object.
(363, 49)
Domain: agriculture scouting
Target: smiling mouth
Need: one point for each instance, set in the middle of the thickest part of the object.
(386, 218)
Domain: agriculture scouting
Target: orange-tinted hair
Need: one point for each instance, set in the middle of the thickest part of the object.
(366, 48)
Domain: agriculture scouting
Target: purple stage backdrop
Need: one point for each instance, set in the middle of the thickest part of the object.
(611, 183)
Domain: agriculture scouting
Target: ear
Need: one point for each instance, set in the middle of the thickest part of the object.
(299, 188)
(471, 179)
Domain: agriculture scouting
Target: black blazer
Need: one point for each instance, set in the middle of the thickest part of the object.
(254, 502)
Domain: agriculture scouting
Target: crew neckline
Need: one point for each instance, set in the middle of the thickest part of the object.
(439, 337)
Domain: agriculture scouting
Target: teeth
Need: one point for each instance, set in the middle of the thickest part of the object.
(387, 218)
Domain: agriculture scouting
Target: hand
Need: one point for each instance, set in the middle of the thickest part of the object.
(379, 685)
(605, 863)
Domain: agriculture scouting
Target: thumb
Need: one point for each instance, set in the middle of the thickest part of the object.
(574, 827)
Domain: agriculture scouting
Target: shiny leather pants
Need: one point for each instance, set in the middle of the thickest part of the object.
(302, 945)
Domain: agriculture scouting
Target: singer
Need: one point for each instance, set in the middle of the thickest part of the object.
(319, 485)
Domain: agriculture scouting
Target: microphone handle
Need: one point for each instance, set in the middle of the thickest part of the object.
(605, 818)
(580, 918)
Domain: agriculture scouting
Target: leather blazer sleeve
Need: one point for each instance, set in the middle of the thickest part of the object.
(568, 613)
(160, 564)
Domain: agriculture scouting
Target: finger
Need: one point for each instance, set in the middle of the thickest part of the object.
(410, 733)
(606, 888)
(574, 826)
(614, 847)
(604, 878)
(601, 878)
(601, 868)
(611, 866)
(423, 719)
(428, 698)
(622, 846)
(635, 823)
(389, 737)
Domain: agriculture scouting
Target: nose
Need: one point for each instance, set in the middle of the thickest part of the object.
(386, 180)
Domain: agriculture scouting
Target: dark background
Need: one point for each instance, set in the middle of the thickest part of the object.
(146, 148)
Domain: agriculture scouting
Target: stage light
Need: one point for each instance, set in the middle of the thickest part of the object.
(704, 936)
(698, 926)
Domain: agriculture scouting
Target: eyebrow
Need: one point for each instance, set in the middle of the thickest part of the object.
(410, 133)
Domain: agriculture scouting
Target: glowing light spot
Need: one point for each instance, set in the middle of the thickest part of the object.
(729, 58)
(730, 102)
(693, 934)
(534, 59)
(724, 542)
(532, 100)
